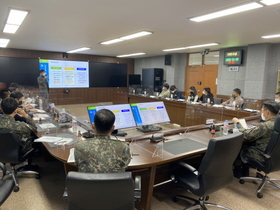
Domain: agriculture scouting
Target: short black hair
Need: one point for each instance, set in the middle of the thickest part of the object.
(193, 89)
(278, 93)
(237, 90)
(173, 87)
(271, 106)
(16, 95)
(9, 105)
(41, 71)
(13, 86)
(4, 93)
(207, 89)
(104, 120)
(166, 85)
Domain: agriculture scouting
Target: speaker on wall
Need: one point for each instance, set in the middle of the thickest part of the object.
(64, 55)
(152, 79)
(167, 60)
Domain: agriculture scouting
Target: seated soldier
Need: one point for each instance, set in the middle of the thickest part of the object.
(25, 131)
(102, 154)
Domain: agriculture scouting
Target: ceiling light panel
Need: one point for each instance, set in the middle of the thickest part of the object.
(271, 36)
(226, 12)
(270, 2)
(131, 36)
(190, 47)
(129, 55)
(4, 42)
(78, 50)
(14, 20)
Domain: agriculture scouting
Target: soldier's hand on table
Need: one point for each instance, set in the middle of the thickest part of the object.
(235, 120)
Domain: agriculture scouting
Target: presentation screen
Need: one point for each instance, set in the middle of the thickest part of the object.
(149, 113)
(65, 74)
(123, 114)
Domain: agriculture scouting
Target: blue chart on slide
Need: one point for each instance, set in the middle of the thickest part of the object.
(64, 74)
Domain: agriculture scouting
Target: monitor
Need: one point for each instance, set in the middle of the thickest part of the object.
(123, 114)
(149, 113)
(134, 79)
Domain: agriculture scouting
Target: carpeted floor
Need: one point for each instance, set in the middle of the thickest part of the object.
(46, 193)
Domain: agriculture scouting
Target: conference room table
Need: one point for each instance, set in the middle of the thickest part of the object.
(152, 160)
(183, 113)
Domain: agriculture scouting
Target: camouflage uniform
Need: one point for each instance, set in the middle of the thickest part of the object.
(102, 155)
(261, 134)
(22, 129)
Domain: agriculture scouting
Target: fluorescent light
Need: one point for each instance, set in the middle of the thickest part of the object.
(129, 55)
(202, 45)
(226, 12)
(270, 2)
(10, 28)
(112, 41)
(190, 47)
(78, 50)
(131, 36)
(271, 36)
(174, 49)
(4, 42)
(15, 19)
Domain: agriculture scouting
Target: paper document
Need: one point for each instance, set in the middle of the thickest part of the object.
(43, 116)
(47, 125)
(50, 139)
(217, 105)
(38, 118)
(243, 123)
(71, 158)
(40, 111)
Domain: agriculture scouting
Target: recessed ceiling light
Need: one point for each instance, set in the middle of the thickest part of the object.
(190, 47)
(14, 20)
(78, 50)
(226, 12)
(129, 55)
(4, 42)
(271, 36)
(131, 36)
(270, 2)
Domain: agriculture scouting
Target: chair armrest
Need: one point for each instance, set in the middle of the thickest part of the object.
(3, 170)
(137, 188)
(65, 194)
(187, 167)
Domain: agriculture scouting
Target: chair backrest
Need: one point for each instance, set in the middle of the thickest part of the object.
(215, 171)
(100, 191)
(273, 162)
(10, 147)
(218, 100)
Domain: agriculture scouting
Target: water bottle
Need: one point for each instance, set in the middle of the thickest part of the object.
(233, 104)
(40, 103)
(235, 128)
(74, 125)
(208, 101)
(225, 128)
(33, 100)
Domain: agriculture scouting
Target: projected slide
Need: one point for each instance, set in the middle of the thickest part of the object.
(65, 74)
(149, 113)
(123, 114)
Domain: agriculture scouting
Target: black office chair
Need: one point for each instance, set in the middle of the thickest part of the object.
(11, 152)
(108, 191)
(218, 100)
(214, 172)
(271, 162)
(6, 186)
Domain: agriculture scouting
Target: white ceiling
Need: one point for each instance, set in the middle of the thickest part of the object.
(62, 25)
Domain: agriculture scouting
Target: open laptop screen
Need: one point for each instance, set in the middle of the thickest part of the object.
(123, 114)
(149, 113)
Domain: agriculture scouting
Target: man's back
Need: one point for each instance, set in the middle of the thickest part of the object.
(102, 155)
